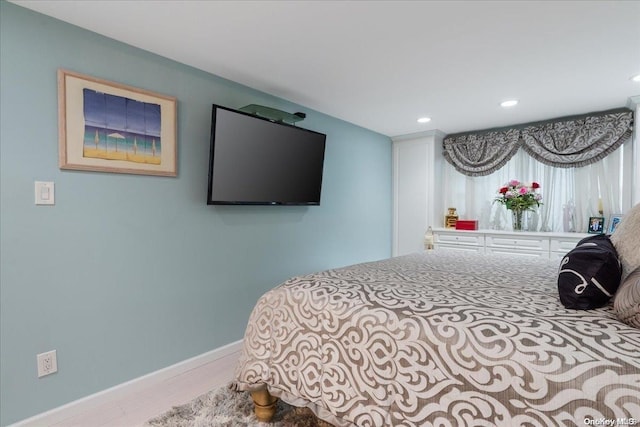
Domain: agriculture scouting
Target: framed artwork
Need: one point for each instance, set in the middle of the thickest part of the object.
(110, 127)
(596, 225)
(615, 220)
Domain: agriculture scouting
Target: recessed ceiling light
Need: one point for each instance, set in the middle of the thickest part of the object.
(636, 78)
(509, 103)
(424, 119)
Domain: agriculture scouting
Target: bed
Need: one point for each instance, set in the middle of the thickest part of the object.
(441, 338)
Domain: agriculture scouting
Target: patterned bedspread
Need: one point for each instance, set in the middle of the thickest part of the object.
(441, 339)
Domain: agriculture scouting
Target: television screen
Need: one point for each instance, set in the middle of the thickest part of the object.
(255, 161)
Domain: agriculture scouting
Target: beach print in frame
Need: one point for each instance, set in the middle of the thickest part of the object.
(110, 127)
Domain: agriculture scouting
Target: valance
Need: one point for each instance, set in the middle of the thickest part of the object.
(578, 142)
(481, 154)
(564, 142)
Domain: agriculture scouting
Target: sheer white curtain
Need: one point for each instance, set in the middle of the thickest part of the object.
(569, 195)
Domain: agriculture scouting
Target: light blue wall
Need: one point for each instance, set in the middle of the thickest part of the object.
(128, 274)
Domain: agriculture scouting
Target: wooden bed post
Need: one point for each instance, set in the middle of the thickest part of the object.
(264, 405)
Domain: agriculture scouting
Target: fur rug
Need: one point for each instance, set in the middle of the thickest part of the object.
(227, 408)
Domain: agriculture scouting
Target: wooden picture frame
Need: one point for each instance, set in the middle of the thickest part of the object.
(596, 225)
(110, 127)
(613, 223)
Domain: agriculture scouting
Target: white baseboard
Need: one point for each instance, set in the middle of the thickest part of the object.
(84, 404)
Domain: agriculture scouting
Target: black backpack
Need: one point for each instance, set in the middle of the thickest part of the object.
(589, 274)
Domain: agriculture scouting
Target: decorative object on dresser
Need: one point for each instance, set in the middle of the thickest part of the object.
(596, 225)
(519, 198)
(451, 218)
(467, 224)
(428, 239)
(613, 223)
(569, 217)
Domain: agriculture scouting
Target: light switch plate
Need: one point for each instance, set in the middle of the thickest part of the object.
(44, 193)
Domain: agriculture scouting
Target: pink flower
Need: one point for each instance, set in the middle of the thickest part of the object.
(518, 195)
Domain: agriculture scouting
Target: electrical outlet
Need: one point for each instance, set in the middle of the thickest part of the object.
(47, 363)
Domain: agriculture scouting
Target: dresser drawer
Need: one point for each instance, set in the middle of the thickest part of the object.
(465, 248)
(460, 238)
(518, 242)
(563, 245)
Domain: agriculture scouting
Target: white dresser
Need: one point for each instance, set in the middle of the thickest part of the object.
(529, 244)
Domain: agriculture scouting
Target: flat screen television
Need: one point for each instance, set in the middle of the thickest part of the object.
(256, 161)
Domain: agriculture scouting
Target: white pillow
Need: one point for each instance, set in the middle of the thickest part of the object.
(626, 239)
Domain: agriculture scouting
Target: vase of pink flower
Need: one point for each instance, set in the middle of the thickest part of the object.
(519, 198)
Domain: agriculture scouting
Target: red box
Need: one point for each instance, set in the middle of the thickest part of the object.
(467, 224)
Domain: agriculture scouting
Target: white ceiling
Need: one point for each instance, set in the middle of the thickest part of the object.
(384, 64)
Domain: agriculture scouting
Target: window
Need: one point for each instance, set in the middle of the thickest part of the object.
(569, 195)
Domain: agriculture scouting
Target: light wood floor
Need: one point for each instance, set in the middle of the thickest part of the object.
(136, 409)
